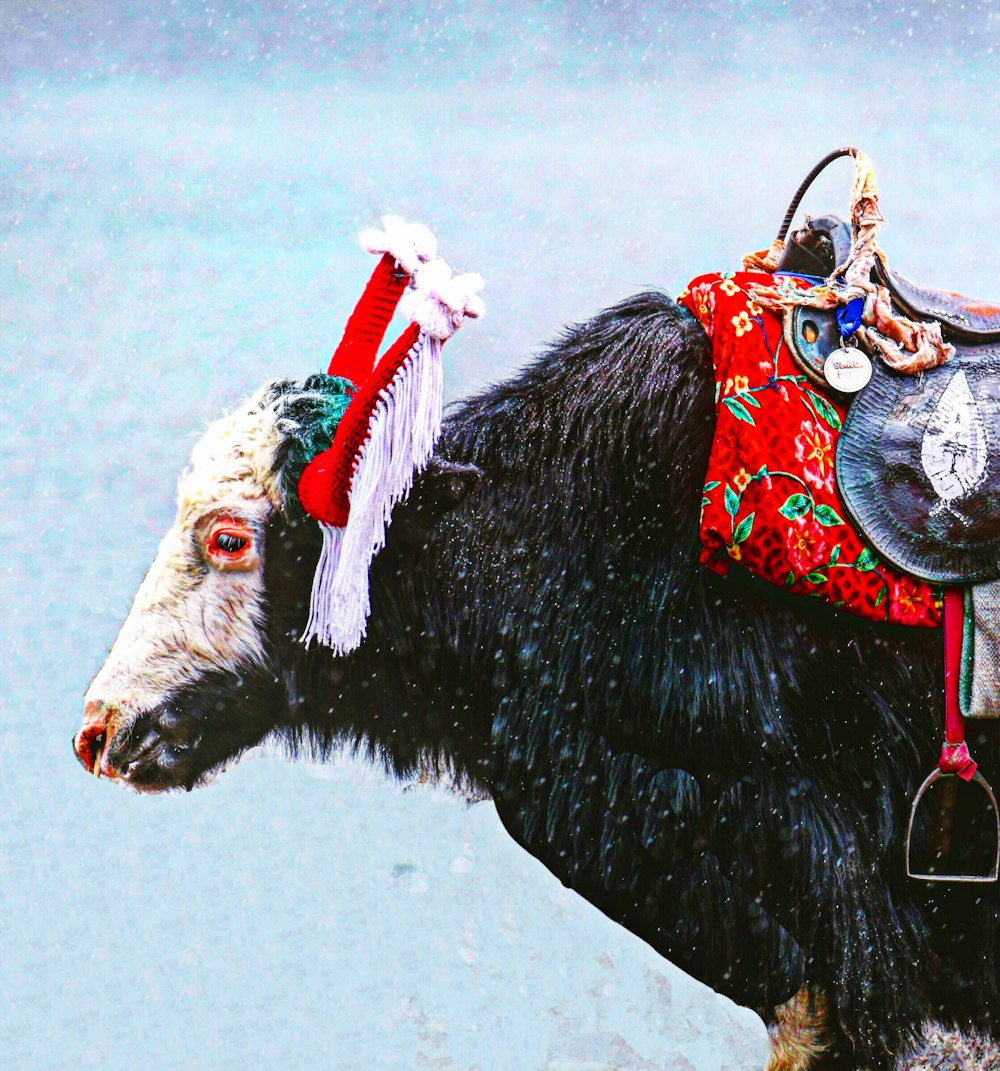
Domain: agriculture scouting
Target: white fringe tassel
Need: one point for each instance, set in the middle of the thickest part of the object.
(403, 429)
(321, 607)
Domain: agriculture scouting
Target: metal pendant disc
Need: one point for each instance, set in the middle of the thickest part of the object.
(847, 369)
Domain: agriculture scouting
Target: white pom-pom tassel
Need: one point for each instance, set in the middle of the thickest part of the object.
(410, 244)
(438, 301)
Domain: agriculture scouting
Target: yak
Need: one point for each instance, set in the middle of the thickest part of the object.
(724, 772)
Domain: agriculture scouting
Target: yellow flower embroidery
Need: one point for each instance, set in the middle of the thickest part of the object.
(736, 385)
(728, 287)
(734, 553)
(908, 598)
(742, 324)
(755, 309)
(741, 479)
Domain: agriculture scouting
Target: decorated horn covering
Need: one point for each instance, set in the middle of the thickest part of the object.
(391, 424)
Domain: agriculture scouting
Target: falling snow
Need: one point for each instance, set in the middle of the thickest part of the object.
(180, 188)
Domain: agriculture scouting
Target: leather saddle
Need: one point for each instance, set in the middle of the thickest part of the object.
(963, 319)
(918, 460)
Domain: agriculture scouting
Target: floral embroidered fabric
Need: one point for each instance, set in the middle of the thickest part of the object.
(770, 499)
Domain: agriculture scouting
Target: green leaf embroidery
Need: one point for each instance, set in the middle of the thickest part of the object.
(880, 598)
(789, 580)
(738, 409)
(743, 529)
(795, 506)
(835, 555)
(814, 578)
(732, 501)
(866, 561)
(825, 410)
(705, 502)
(760, 473)
(827, 516)
(750, 400)
(711, 486)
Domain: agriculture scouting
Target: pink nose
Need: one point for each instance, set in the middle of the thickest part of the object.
(91, 742)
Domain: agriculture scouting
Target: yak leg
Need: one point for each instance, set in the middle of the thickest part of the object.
(801, 1035)
(626, 833)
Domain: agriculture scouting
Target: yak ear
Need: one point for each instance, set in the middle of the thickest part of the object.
(437, 490)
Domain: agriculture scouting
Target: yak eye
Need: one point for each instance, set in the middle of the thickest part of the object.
(228, 543)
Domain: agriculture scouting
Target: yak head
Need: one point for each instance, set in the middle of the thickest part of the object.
(194, 677)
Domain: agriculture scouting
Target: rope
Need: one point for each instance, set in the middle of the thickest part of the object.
(866, 220)
(904, 345)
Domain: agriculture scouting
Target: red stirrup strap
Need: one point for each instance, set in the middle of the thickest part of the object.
(955, 757)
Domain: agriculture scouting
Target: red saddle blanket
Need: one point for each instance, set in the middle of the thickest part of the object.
(770, 499)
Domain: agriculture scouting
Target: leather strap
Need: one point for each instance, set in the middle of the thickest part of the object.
(955, 757)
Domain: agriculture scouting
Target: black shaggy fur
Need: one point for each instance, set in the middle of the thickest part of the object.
(726, 774)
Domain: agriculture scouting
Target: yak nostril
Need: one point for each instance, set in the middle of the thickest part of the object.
(91, 743)
(89, 746)
(82, 756)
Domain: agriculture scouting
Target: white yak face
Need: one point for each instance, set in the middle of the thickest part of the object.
(200, 611)
(194, 677)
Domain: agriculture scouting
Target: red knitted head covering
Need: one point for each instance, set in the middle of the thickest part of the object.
(388, 431)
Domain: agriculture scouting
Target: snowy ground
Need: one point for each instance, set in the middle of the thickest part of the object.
(169, 241)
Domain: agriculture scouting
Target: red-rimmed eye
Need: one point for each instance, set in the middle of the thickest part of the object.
(226, 542)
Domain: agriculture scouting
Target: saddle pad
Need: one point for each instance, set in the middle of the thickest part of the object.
(919, 466)
(770, 499)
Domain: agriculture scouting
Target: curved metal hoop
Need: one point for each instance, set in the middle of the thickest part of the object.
(977, 778)
(806, 183)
